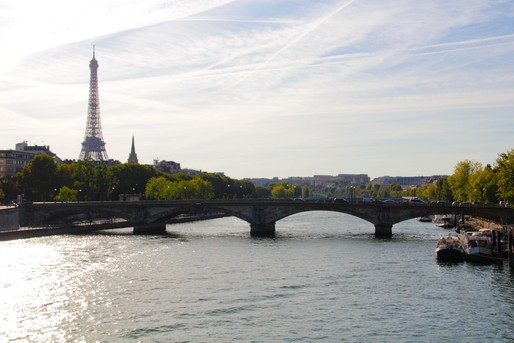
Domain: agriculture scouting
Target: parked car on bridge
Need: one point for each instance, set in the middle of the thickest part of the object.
(503, 204)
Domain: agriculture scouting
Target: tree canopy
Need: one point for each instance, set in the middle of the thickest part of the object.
(38, 179)
(42, 180)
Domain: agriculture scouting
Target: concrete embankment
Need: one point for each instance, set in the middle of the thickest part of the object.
(195, 217)
(478, 223)
(7, 235)
(9, 218)
(10, 229)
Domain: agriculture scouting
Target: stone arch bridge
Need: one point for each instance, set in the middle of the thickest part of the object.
(151, 216)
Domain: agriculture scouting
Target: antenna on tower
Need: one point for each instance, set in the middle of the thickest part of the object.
(93, 51)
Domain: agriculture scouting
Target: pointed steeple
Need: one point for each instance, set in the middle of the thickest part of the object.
(133, 156)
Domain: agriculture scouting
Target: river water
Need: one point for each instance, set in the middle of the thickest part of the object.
(323, 278)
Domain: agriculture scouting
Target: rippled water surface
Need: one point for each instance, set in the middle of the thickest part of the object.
(323, 278)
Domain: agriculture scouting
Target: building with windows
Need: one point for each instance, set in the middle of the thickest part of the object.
(318, 181)
(13, 161)
(407, 181)
(169, 167)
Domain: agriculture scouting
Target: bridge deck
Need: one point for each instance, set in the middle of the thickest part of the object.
(261, 214)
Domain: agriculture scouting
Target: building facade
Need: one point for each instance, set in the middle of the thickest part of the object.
(169, 167)
(13, 161)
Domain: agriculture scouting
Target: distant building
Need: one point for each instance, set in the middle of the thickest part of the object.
(133, 156)
(341, 180)
(318, 181)
(169, 167)
(354, 179)
(407, 181)
(13, 161)
(193, 171)
(262, 182)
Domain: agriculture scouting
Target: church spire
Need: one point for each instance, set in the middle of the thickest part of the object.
(133, 156)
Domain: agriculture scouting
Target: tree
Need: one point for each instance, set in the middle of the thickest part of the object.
(132, 178)
(220, 184)
(443, 191)
(66, 173)
(91, 181)
(200, 189)
(9, 189)
(505, 176)
(38, 180)
(262, 192)
(160, 188)
(384, 192)
(427, 192)
(157, 188)
(459, 181)
(279, 191)
(483, 185)
(67, 194)
(247, 189)
(285, 190)
(306, 192)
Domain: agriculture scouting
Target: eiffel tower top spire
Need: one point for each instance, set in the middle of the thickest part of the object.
(93, 147)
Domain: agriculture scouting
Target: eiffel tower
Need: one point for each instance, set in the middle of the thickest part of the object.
(93, 147)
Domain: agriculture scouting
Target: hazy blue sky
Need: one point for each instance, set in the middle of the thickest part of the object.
(263, 88)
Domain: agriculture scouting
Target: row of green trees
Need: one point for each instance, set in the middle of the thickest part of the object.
(470, 182)
(473, 182)
(43, 180)
(285, 190)
(202, 186)
(438, 191)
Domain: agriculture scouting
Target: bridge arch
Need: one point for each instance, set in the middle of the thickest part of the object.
(68, 214)
(262, 214)
(330, 220)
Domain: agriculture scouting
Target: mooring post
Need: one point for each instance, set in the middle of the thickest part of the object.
(499, 243)
(511, 248)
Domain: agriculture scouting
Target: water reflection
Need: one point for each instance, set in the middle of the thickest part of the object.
(317, 280)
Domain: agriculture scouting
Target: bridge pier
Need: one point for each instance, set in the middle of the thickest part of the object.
(383, 230)
(262, 230)
(149, 228)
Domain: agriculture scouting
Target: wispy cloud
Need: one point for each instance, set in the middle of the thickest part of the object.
(242, 86)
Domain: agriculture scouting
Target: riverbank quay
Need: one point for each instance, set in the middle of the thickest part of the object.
(499, 244)
(9, 218)
(11, 230)
(25, 232)
(479, 223)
